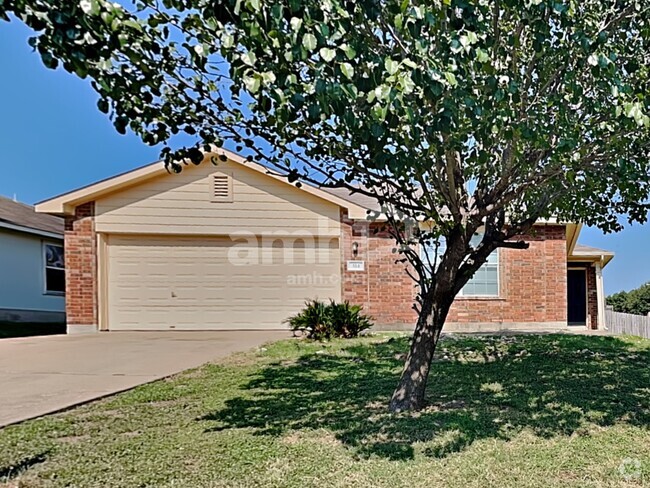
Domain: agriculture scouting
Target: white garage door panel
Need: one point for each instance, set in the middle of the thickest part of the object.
(190, 283)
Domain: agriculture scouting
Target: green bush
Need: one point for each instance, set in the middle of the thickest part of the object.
(322, 321)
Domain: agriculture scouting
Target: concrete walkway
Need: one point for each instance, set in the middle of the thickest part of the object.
(40, 375)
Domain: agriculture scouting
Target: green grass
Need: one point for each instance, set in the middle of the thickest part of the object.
(520, 411)
(9, 330)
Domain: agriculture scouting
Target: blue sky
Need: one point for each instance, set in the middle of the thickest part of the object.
(53, 139)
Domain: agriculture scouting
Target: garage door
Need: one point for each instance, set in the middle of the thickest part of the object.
(215, 283)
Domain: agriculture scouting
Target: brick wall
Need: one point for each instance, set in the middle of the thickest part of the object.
(81, 266)
(532, 284)
(533, 281)
(384, 288)
(592, 299)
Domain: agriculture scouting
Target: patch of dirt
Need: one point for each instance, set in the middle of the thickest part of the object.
(191, 374)
(130, 434)
(93, 414)
(22, 484)
(288, 362)
(322, 437)
(165, 403)
(73, 439)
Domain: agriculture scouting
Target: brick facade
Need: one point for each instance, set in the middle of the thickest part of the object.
(592, 299)
(533, 286)
(384, 288)
(81, 267)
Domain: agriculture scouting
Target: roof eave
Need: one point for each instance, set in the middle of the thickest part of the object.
(31, 230)
(602, 258)
(573, 232)
(65, 204)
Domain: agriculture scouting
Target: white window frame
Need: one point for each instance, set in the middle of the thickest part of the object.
(44, 245)
(495, 265)
(498, 272)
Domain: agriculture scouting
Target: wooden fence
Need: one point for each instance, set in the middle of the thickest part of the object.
(626, 323)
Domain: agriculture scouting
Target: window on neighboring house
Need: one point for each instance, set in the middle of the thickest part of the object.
(54, 268)
(485, 282)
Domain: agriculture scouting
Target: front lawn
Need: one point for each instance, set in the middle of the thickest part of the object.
(520, 411)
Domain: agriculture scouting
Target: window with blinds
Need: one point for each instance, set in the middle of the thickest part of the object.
(485, 282)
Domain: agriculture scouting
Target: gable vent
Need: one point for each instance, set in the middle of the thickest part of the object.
(221, 188)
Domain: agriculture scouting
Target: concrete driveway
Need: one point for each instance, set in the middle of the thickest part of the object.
(40, 375)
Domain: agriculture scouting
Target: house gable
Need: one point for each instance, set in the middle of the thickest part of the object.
(223, 199)
(65, 204)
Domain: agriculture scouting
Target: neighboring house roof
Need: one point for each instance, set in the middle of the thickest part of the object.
(65, 203)
(360, 199)
(22, 217)
(588, 253)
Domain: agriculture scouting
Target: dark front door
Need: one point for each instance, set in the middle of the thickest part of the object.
(577, 297)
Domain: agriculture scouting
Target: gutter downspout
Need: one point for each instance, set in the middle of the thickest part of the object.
(600, 295)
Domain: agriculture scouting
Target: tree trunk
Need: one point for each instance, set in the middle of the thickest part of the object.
(409, 394)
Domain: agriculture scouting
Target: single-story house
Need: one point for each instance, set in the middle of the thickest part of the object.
(232, 246)
(32, 275)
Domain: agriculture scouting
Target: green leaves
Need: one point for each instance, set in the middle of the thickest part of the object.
(391, 66)
(406, 83)
(249, 58)
(252, 83)
(349, 51)
(358, 93)
(451, 78)
(468, 39)
(89, 7)
(254, 5)
(296, 24)
(635, 111)
(227, 40)
(309, 42)
(482, 56)
(347, 70)
(327, 54)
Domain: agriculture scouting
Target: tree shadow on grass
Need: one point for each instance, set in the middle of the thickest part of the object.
(478, 388)
(7, 473)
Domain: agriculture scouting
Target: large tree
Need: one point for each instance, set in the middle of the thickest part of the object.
(460, 115)
(635, 301)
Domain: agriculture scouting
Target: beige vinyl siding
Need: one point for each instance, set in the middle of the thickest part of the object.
(160, 283)
(183, 204)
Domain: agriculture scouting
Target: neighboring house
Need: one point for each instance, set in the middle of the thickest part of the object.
(32, 274)
(234, 247)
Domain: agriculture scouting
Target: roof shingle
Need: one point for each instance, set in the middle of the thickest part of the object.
(582, 250)
(23, 215)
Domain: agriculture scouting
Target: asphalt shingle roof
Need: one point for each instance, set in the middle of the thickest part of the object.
(23, 215)
(582, 250)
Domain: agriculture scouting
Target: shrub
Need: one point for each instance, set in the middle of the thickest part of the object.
(322, 321)
(347, 320)
(312, 319)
